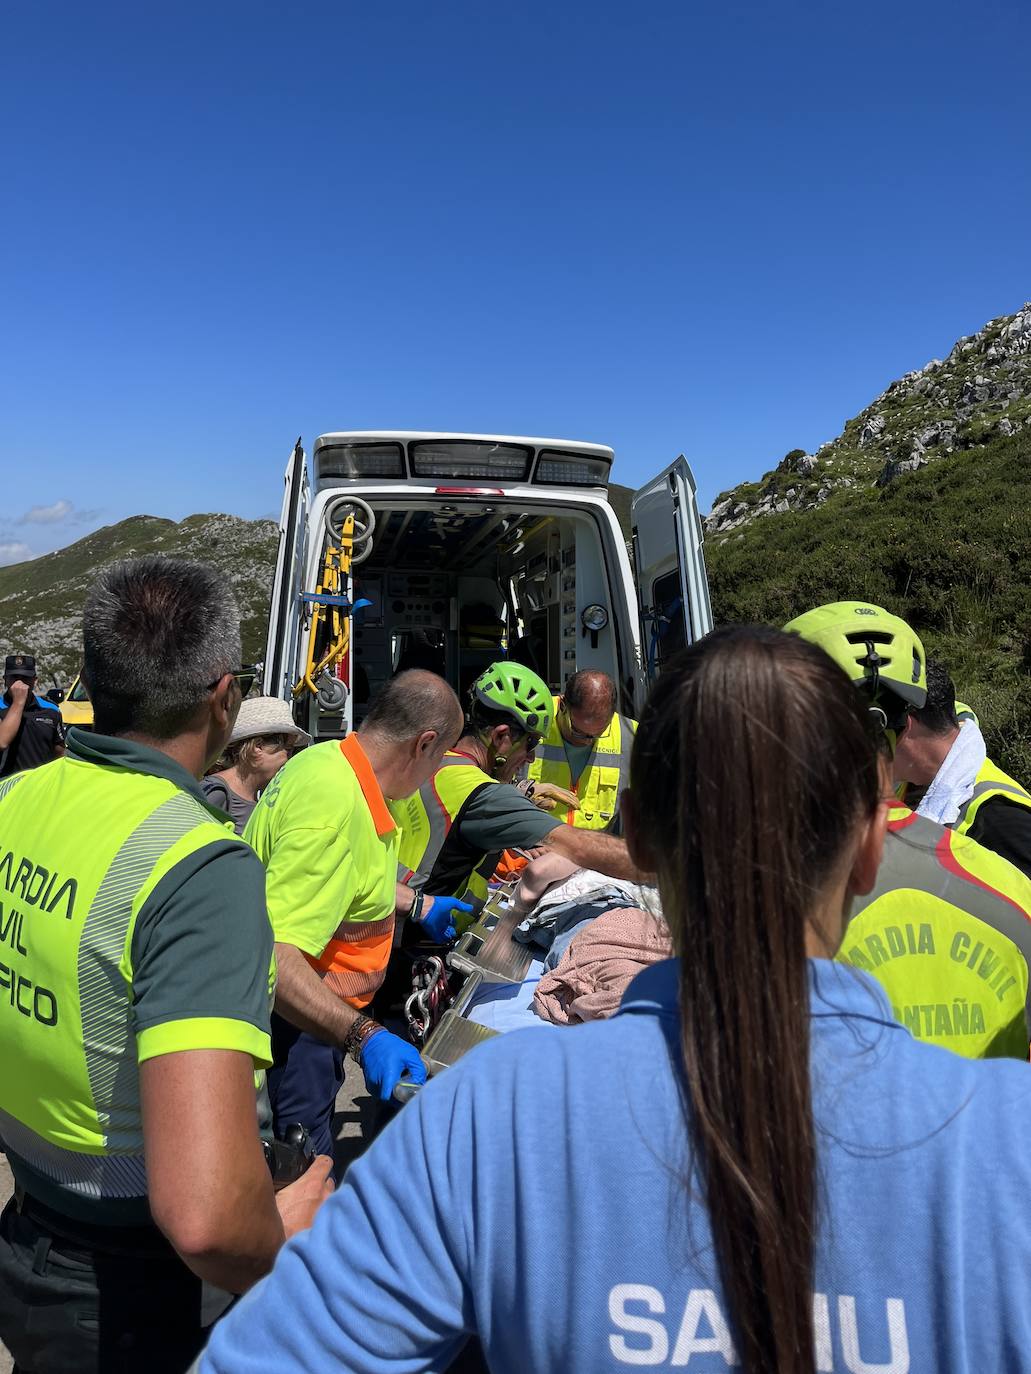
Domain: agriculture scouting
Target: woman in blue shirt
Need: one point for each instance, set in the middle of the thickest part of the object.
(751, 1165)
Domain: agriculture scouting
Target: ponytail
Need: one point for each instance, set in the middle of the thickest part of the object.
(748, 808)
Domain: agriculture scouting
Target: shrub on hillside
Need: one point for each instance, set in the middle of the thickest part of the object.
(947, 547)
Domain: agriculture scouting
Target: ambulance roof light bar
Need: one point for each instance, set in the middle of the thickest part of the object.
(405, 455)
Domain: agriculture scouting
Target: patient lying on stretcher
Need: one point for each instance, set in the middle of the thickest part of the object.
(597, 934)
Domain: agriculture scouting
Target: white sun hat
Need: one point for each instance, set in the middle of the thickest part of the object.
(266, 716)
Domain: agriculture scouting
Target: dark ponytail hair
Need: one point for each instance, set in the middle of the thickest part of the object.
(753, 764)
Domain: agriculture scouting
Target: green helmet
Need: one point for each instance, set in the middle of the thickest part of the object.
(519, 692)
(875, 648)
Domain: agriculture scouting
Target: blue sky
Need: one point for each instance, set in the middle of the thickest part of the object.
(714, 229)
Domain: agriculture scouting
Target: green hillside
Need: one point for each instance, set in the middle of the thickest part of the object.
(944, 541)
(41, 600)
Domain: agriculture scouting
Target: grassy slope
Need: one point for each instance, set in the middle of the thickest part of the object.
(41, 600)
(947, 547)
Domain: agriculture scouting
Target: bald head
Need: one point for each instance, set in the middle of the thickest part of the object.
(586, 707)
(413, 722)
(411, 704)
(591, 692)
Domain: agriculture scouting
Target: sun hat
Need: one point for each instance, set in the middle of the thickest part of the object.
(266, 716)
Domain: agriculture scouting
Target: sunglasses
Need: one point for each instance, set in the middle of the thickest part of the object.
(575, 729)
(290, 743)
(245, 676)
(532, 741)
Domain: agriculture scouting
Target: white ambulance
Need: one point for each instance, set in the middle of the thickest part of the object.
(447, 551)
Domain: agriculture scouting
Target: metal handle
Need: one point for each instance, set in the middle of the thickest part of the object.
(405, 1089)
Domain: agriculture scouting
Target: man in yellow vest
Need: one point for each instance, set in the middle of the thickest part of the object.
(946, 774)
(586, 751)
(329, 844)
(947, 927)
(457, 825)
(135, 961)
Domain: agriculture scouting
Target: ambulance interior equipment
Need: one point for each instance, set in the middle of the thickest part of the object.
(449, 551)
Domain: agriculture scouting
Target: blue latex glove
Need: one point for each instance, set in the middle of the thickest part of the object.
(385, 1059)
(439, 921)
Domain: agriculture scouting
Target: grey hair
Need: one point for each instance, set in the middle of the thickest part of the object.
(412, 702)
(157, 632)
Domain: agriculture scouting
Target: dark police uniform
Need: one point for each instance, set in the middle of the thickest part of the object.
(41, 732)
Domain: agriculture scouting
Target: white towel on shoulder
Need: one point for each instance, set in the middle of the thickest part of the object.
(954, 781)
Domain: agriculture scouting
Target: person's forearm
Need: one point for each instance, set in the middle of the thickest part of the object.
(209, 1188)
(593, 849)
(403, 903)
(403, 896)
(9, 724)
(243, 1247)
(303, 999)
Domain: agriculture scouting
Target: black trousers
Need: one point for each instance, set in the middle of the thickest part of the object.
(128, 1306)
(303, 1083)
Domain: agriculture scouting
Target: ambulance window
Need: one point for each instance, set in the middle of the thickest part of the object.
(418, 649)
(668, 627)
(361, 460)
(471, 459)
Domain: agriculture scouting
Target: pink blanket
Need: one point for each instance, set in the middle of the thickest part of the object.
(595, 970)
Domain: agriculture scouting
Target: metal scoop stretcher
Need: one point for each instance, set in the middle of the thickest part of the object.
(485, 953)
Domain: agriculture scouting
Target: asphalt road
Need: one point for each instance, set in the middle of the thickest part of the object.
(355, 1123)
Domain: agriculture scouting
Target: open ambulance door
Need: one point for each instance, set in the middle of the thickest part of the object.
(284, 622)
(672, 588)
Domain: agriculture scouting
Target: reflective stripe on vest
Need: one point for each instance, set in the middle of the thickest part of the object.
(355, 960)
(991, 782)
(947, 932)
(426, 819)
(451, 786)
(605, 774)
(424, 823)
(82, 848)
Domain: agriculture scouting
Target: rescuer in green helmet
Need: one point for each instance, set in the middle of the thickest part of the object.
(512, 710)
(947, 928)
(456, 826)
(881, 654)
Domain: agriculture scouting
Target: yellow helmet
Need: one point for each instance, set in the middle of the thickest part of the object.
(876, 649)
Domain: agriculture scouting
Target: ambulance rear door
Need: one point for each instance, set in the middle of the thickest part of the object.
(672, 587)
(284, 625)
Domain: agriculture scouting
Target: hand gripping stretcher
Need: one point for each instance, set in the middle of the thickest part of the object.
(445, 989)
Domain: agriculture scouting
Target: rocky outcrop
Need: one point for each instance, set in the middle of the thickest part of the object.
(981, 391)
(41, 601)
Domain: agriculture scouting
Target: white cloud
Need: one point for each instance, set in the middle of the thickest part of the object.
(48, 515)
(13, 551)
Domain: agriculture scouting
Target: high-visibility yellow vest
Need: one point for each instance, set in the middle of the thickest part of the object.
(947, 932)
(605, 774)
(425, 820)
(991, 782)
(81, 849)
(334, 901)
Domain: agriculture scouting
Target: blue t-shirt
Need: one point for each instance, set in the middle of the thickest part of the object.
(536, 1193)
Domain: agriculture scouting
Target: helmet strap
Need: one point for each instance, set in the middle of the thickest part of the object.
(873, 661)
